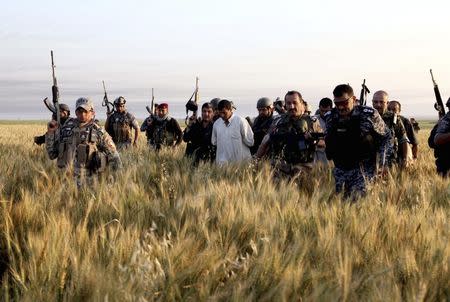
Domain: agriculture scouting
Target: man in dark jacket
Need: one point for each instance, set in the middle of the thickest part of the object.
(197, 135)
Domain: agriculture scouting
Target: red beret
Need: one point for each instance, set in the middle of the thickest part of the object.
(163, 106)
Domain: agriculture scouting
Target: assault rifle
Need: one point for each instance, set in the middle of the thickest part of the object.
(363, 94)
(151, 109)
(40, 139)
(439, 105)
(106, 103)
(55, 93)
(50, 106)
(192, 105)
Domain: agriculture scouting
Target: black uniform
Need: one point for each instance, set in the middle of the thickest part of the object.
(198, 139)
(442, 152)
(260, 128)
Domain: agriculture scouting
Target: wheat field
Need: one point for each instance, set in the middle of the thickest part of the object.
(164, 231)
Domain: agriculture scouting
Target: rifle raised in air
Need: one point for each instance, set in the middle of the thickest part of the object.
(363, 94)
(55, 93)
(151, 109)
(439, 105)
(106, 103)
(192, 104)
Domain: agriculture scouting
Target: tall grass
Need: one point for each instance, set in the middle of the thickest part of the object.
(165, 231)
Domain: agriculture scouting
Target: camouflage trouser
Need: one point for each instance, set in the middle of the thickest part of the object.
(354, 181)
(85, 178)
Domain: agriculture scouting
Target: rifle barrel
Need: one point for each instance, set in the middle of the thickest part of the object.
(432, 78)
(53, 69)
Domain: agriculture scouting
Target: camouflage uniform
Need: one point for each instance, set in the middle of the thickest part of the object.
(353, 144)
(85, 147)
(291, 152)
(260, 128)
(162, 131)
(398, 136)
(119, 126)
(442, 153)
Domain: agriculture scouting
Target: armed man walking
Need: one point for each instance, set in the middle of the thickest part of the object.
(356, 136)
(395, 107)
(441, 143)
(64, 113)
(232, 135)
(262, 122)
(82, 143)
(292, 142)
(120, 123)
(198, 135)
(395, 125)
(162, 130)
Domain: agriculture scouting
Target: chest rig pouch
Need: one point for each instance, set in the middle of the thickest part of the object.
(65, 149)
(121, 128)
(86, 147)
(289, 142)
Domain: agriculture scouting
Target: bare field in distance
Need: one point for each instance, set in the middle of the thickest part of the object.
(165, 231)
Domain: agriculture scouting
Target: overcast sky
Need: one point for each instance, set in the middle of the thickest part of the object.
(240, 50)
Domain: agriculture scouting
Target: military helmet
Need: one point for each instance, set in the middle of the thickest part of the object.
(263, 103)
(214, 103)
(64, 107)
(120, 101)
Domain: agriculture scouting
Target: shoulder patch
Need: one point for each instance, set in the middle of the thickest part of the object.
(368, 110)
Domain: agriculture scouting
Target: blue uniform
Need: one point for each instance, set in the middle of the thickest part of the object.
(355, 143)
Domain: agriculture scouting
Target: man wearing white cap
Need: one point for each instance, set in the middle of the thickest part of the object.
(83, 144)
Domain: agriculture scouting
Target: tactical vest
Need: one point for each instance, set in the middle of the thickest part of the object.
(120, 124)
(65, 152)
(79, 146)
(346, 144)
(288, 140)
